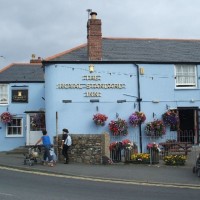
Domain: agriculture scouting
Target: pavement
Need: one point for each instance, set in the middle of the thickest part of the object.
(159, 173)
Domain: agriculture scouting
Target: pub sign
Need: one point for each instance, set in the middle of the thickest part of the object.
(19, 96)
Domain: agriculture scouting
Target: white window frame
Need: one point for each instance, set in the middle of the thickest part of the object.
(4, 94)
(18, 128)
(186, 76)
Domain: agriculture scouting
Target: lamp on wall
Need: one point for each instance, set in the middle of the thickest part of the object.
(167, 107)
(117, 115)
(141, 71)
(67, 101)
(91, 68)
(121, 101)
(94, 100)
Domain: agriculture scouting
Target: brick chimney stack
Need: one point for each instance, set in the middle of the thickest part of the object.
(94, 38)
(35, 60)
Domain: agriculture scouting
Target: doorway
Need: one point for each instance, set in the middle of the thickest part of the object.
(187, 124)
(35, 125)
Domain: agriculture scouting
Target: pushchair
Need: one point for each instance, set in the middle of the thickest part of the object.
(33, 156)
(196, 168)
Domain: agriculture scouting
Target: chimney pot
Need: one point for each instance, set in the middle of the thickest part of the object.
(93, 15)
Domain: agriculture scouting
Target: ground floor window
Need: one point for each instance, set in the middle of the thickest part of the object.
(15, 128)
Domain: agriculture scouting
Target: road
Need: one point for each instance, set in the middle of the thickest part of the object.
(22, 185)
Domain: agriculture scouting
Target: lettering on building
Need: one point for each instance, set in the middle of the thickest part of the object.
(92, 86)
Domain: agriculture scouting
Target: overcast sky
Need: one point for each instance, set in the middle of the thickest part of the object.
(48, 27)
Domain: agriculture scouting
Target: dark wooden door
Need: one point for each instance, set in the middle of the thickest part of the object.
(186, 125)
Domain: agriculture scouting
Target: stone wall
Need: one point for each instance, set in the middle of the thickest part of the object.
(86, 148)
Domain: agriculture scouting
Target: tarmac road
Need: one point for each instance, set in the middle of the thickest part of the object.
(177, 175)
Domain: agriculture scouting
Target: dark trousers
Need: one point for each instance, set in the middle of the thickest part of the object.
(65, 152)
(47, 154)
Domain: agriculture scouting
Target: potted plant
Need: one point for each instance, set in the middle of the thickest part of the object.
(118, 127)
(115, 146)
(140, 158)
(6, 117)
(127, 144)
(174, 160)
(170, 118)
(115, 151)
(137, 118)
(153, 146)
(155, 128)
(99, 119)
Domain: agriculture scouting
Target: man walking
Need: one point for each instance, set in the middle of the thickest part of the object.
(66, 143)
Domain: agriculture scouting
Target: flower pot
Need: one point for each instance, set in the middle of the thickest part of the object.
(154, 156)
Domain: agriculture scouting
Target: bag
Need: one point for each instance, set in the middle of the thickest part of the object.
(68, 141)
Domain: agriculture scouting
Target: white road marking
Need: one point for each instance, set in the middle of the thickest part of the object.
(6, 194)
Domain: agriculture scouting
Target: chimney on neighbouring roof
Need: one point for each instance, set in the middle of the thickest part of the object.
(35, 60)
(94, 38)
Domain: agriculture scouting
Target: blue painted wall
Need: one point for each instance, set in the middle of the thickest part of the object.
(77, 116)
(157, 84)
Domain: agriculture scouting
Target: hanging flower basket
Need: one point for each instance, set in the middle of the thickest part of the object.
(100, 119)
(137, 118)
(170, 118)
(118, 127)
(6, 117)
(155, 128)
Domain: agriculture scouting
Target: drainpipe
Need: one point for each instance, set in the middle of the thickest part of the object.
(139, 104)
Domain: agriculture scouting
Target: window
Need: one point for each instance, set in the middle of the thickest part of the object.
(3, 94)
(14, 129)
(186, 76)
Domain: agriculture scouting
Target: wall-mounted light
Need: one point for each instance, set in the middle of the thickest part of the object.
(94, 100)
(155, 101)
(91, 68)
(167, 107)
(97, 108)
(141, 71)
(117, 115)
(67, 101)
(121, 101)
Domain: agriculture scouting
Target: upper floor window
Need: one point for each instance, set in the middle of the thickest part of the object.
(3, 94)
(186, 76)
(15, 128)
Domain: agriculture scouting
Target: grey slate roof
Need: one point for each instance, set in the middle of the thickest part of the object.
(139, 50)
(114, 50)
(20, 73)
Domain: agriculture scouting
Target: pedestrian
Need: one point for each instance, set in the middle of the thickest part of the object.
(66, 143)
(45, 139)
